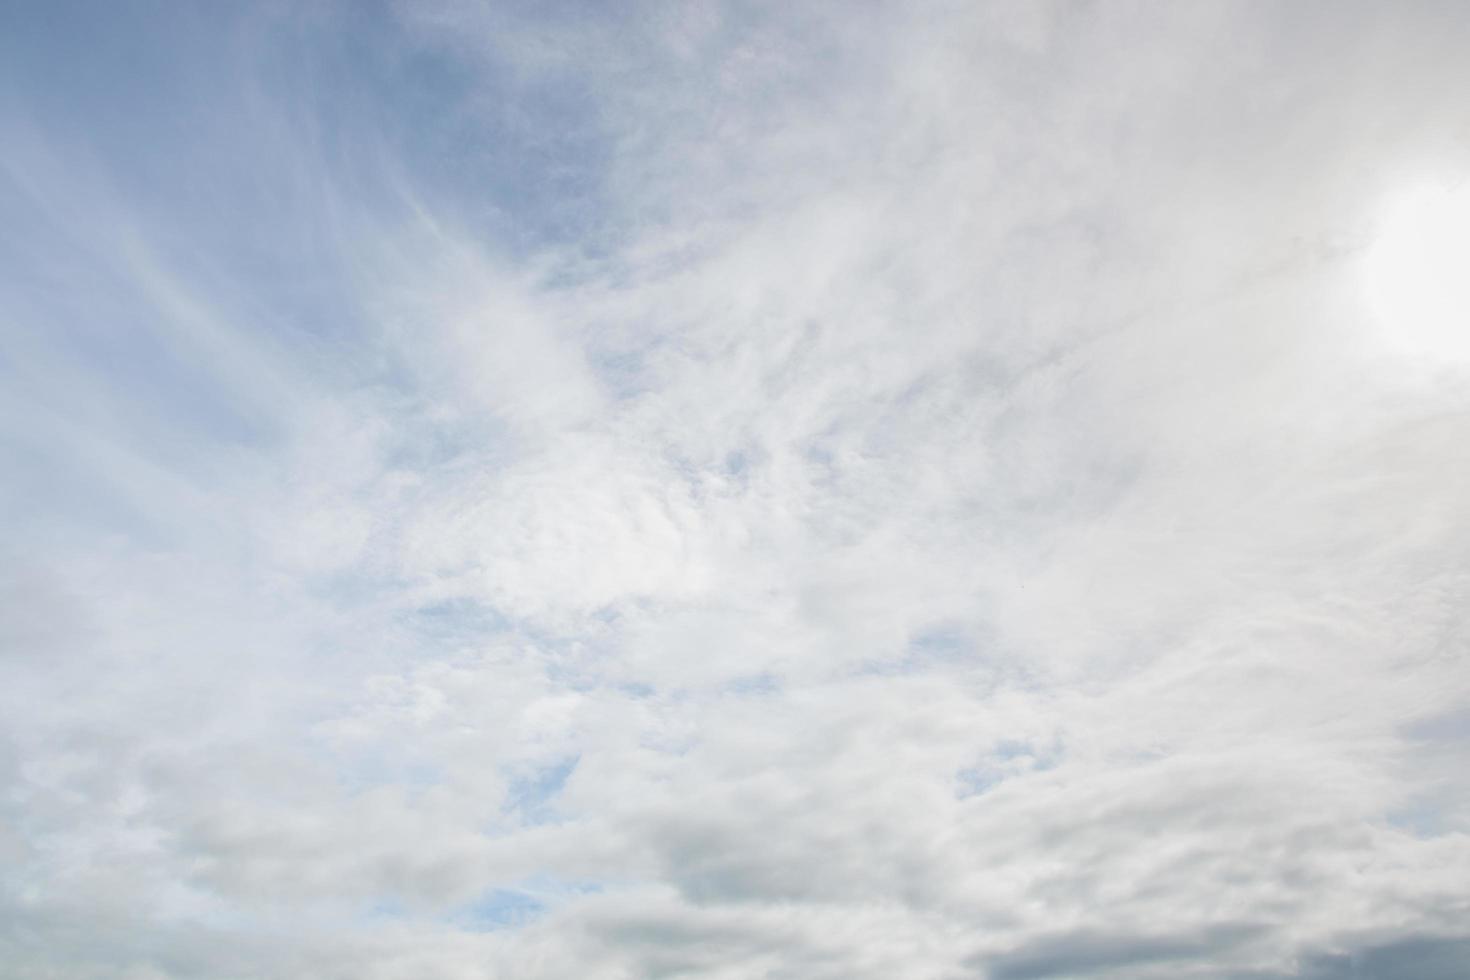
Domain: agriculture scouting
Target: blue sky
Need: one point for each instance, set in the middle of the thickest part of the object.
(734, 490)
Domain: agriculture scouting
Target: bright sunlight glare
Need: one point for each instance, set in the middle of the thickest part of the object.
(1419, 273)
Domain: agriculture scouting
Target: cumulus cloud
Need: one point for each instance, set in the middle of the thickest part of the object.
(727, 490)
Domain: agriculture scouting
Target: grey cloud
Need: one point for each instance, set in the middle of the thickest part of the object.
(1086, 953)
(1416, 957)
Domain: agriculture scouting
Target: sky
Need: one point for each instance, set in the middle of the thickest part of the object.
(922, 490)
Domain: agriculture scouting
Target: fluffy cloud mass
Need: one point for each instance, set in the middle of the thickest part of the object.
(732, 490)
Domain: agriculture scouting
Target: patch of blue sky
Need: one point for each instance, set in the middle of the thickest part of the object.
(531, 795)
(518, 157)
(110, 355)
(976, 781)
(500, 908)
(41, 483)
(239, 187)
(942, 641)
(456, 619)
(763, 684)
(635, 690)
(1007, 759)
(518, 904)
(89, 67)
(623, 373)
(935, 646)
(388, 908)
(1427, 816)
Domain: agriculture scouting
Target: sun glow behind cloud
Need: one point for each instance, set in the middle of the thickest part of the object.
(1419, 272)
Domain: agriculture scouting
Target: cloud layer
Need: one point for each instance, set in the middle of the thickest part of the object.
(726, 491)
